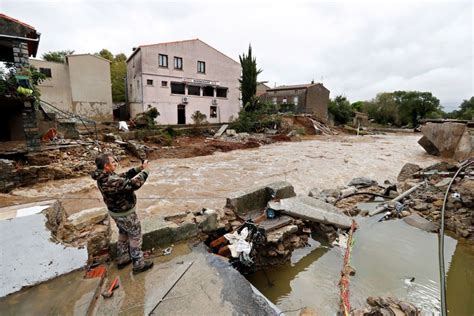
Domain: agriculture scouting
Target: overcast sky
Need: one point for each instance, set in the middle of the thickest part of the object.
(354, 48)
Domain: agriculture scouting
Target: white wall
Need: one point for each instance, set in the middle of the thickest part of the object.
(220, 69)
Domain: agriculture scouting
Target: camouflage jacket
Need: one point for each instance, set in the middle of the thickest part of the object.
(118, 189)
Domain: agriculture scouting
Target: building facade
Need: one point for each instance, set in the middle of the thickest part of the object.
(81, 85)
(180, 78)
(310, 98)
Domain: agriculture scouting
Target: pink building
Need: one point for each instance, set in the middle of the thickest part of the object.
(180, 78)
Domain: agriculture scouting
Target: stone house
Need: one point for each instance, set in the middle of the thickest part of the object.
(312, 98)
(180, 78)
(82, 85)
(18, 41)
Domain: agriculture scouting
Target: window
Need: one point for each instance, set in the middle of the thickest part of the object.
(163, 60)
(221, 92)
(295, 100)
(164, 83)
(201, 67)
(149, 82)
(178, 63)
(274, 100)
(194, 90)
(285, 100)
(208, 91)
(46, 72)
(213, 111)
(177, 88)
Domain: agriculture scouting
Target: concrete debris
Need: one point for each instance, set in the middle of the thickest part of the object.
(313, 210)
(221, 130)
(278, 235)
(257, 198)
(88, 217)
(407, 171)
(33, 254)
(137, 149)
(112, 138)
(448, 139)
(421, 223)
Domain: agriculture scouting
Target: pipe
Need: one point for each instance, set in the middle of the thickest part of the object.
(442, 271)
(382, 208)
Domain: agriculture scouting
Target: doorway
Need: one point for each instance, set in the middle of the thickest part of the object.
(181, 114)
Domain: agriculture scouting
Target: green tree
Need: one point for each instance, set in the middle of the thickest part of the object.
(341, 109)
(415, 105)
(118, 72)
(57, 56)
(383, 109)
(248, 80)
(466, 110)
(357, 106)
(105, 53)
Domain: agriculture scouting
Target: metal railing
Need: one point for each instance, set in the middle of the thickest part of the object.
(67, 117)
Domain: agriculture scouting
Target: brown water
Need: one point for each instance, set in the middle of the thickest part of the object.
(384, 255)
(188, 184)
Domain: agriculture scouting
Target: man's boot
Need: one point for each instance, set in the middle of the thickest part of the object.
(148, 265)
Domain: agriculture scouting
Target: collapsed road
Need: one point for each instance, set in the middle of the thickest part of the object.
(282, 154)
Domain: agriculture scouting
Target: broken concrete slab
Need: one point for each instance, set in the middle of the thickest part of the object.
(209, 223)
(447, 139)
(257, 198)
(221, 130)
(313, 210)
(465, 148)
(417, 221)
(211, 286)
(33, 254)
(407, 172)
(87, 217)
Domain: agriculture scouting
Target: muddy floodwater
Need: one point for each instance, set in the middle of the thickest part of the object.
(188, 184)
(385, 256)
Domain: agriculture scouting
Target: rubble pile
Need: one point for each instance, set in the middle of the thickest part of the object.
(427, 202)
(387, 306)
(62, 161)
(277, 221)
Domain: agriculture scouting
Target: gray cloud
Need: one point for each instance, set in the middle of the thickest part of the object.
(356, 48)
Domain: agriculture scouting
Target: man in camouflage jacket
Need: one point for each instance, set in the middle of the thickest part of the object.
(118, 191)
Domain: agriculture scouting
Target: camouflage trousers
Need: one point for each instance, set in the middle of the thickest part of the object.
(129, 243)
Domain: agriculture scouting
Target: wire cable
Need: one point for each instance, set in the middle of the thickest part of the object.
(442, 272)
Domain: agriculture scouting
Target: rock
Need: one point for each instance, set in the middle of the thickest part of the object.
(444, 182)
(421, 206)
(230, 132)
(112, 138)
(308, 311)
(407, 171)
(417, 221)
(313, 210)
(348, 191)
(278, 234)
(210, 222)
(362, 182)
(88, 217)
(405, 213)
(137, 149)
(270, 131)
